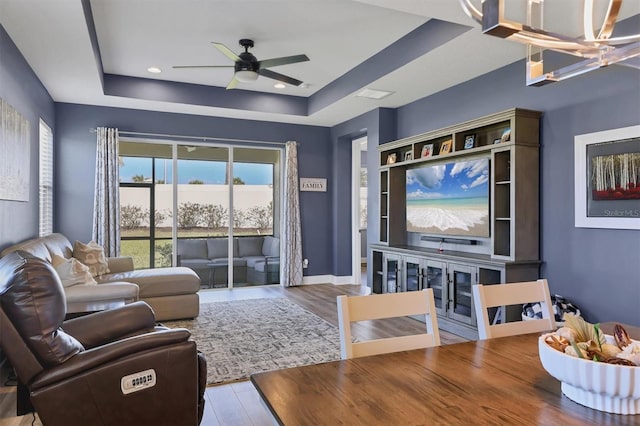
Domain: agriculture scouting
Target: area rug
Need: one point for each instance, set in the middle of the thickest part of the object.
(242, 337)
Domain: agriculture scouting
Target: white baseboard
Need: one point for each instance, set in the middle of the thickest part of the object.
(328, 279)
(348, 279)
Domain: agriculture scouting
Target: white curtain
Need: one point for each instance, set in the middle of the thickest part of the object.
(291, 247)
(106, 206)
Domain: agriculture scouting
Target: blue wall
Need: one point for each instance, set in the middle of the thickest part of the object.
(380, 126)
(598, 269)
(76, 164)
(20, 87)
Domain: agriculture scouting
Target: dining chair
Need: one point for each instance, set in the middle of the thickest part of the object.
(502, 295)
(381, 306)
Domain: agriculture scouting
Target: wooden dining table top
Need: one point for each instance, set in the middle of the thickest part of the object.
(496, 381)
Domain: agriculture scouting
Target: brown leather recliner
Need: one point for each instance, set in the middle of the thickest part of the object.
(109, 368)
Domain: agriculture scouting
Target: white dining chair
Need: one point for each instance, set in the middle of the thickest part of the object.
(502, 295)
(381, 306)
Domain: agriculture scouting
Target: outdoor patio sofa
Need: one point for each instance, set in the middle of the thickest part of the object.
(256, 260)
(171, 292)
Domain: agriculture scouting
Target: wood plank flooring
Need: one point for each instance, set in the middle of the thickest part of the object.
(239, 404)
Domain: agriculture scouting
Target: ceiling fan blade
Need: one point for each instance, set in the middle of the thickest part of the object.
(274, 62)
(226, 51)
(202, 66)
(280, 77)
(233, 83)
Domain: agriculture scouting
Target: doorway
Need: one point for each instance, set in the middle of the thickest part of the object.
(359, 209)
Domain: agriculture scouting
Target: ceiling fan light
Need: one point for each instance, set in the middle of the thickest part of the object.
(246, 76)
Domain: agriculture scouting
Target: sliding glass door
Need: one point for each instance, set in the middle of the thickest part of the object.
(256, 205)
(202, 211)
(145, 204)
(205, 207)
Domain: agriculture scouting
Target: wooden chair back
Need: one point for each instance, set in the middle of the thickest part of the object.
(501, 295)
(380, 306)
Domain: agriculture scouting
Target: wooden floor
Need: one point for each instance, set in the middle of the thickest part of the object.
(239, 404)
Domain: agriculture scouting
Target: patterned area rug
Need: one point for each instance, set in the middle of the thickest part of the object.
(243, 337)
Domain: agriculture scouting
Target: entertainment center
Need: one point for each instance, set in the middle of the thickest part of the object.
(458, 207)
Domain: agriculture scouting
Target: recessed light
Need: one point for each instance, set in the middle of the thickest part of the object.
(154, 70)
(279, 86)
(373, 93)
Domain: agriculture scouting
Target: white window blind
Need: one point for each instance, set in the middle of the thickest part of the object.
(46, 180)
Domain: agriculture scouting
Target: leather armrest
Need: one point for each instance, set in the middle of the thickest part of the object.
(106, 326)
(102, 355)
(120, 264)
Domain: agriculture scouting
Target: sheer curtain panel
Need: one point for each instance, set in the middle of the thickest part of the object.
(291, 247)
(106, 207)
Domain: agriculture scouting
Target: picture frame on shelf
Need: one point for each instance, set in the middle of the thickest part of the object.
(391, 158)
(408, 156)
(470, 141)
(605, 195)
(506, 135)
(445, 147)
(427, 150)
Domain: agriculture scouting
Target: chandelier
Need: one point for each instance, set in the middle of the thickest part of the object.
(596, 50)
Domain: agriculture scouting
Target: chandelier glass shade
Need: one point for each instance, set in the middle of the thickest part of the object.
(596, 49)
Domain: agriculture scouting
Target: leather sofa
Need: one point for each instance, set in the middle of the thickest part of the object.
(115, 367)
(171, 292)
(256, 260)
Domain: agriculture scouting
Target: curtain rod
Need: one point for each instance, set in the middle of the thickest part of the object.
(194, 138)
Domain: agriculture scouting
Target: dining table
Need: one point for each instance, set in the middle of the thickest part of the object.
(485, 382)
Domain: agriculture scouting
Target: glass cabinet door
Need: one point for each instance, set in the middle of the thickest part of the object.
(461, 278)
(391, 273)
(377, 272)
(412, 274)
(436, 279)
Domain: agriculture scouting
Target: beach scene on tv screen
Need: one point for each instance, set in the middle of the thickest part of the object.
(449, 198)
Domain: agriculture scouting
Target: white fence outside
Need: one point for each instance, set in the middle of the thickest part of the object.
(245, 197)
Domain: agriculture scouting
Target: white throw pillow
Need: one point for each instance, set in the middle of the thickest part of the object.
(72, 272)
(92, 255)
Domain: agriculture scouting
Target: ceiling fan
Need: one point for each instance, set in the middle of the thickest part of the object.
(247, 67)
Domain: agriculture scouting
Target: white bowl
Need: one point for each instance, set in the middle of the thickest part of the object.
(605, 387)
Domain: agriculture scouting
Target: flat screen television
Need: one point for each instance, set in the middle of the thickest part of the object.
(449, 199)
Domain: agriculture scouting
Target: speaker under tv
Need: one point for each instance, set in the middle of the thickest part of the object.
(465, 241)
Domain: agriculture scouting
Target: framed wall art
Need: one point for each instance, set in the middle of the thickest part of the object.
(14, 154)
(607, 179)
